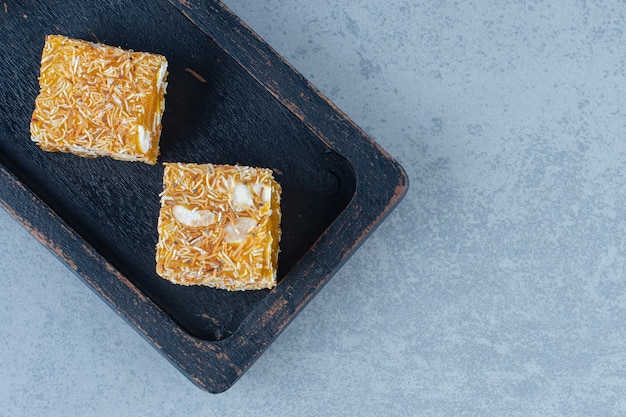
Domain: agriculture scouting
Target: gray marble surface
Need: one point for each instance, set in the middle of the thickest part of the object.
(496, 288)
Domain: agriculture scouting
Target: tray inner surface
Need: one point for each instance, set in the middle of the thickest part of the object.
(215, 112)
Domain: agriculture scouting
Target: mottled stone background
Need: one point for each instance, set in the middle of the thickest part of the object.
(496, 288)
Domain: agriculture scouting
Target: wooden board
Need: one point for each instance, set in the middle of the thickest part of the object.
(231, 99)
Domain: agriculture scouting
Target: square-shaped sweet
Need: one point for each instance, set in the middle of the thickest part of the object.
(98, 100)
(219, 226)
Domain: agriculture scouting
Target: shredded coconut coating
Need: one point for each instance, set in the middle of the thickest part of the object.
(98, 100)
(219, 226)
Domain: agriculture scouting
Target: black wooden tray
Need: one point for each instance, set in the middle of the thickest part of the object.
(231, 99)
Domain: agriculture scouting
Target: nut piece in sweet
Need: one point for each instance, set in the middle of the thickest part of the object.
(238, 232)
(193, 217)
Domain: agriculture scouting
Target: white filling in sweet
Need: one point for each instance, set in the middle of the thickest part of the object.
(145, 142)
(161, 75)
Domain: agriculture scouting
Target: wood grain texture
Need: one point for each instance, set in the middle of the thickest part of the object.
(231, 99)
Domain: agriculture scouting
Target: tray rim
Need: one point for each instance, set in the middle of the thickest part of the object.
(215, 366)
